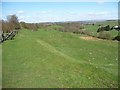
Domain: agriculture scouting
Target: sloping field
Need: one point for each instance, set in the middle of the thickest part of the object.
(57, 59)
(93, 28)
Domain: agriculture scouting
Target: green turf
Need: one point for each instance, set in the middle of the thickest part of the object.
(53, 59)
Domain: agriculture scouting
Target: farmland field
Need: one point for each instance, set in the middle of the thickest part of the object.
(53, 59)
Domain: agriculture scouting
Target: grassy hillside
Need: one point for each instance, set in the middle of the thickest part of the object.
(93, 29)
(49, 58)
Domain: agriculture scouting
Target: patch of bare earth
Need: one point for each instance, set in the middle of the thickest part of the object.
(89, 38)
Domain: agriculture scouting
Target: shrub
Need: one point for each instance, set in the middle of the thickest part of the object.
(74, 27)
(31, 26)
(117, 38)
(7, 27)
(104, 35)
(11, 23)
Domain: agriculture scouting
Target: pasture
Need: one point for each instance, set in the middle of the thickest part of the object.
(53, 59)
(92, 29)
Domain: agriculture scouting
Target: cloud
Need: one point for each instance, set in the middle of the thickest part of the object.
(20, 12)
(21, 17)
(103, 13)
(44, 12)
(27, 16)
(97, 15)
(100, 1)
(44, 16)
(72, 12)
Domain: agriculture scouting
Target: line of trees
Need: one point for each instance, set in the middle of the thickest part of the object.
(12, 23)
(74, 27)
(30, 26)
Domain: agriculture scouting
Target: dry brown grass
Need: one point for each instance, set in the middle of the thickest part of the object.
(89, 38)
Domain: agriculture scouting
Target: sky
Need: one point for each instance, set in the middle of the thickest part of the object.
(60, 0)
(60, 11)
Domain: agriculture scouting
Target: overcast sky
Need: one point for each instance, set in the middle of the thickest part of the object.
(60, 11)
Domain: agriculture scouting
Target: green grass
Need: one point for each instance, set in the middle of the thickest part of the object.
(53, 59)
(0, 66)
(93, 29)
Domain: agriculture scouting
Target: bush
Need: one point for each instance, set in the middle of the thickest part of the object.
(7, 27)
(117, 38)
(10, 24)
(74, 27)
(104, 35)
(31, 26)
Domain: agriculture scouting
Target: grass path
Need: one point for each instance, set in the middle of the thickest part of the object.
(52, 49)
(53, 59)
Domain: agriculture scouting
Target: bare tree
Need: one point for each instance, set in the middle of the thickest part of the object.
(13, 21)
